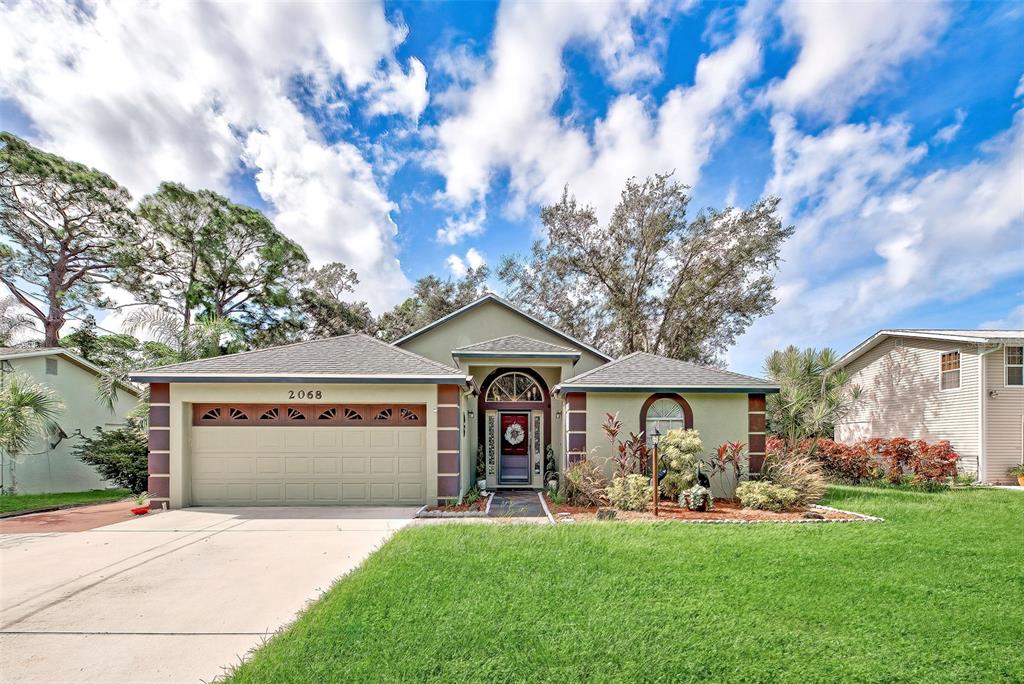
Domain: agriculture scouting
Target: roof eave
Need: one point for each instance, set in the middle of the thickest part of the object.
(517, 355)
(171, 378)
(723, 389)
(73, 358)
(860, 349)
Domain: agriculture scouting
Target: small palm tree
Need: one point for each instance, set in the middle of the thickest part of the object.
(27, 410)
(814, 394)
(171, 343)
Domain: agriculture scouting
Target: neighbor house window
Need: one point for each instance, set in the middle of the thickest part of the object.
(51, 366)
(1014, 366)
(951, 370)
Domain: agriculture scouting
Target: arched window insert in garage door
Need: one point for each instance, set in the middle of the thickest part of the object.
(310, 415)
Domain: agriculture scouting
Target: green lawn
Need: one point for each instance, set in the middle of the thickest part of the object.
(934, 594)
(30, 502)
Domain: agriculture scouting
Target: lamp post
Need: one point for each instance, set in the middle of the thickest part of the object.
(654, 439)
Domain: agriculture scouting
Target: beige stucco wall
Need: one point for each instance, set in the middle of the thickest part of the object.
(901, 396)
(42, 469)
(182, 395)
(718, 417)
(488, 321)
(1004, 419)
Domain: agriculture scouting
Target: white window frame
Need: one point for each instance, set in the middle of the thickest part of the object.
(959, 370)
(1007, 365)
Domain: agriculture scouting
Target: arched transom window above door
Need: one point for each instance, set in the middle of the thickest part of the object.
(514, 386)
(664, 415)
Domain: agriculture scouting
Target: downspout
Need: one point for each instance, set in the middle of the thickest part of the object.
(981, 408)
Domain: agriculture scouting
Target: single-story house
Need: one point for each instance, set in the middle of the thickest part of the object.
(964, 386)
(354, 420)
(48, 464)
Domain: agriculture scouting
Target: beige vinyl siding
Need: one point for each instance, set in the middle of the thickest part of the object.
(1004, 414)
(901, 396)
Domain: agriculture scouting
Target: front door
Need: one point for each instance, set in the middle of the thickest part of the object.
(514, 449)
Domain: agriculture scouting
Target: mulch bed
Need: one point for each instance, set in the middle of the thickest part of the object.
(725, 511)
(478, 505)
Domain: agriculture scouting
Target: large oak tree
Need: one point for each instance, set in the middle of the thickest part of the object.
(650, 279)
(70, 231)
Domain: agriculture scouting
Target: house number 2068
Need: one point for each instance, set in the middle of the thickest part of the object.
(305, 394)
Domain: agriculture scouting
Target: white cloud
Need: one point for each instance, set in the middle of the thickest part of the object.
(1019, 92)
(190, 92)
(459, 266)
(874, 240)
(1014, 320)
(947, 134)
(462, 225)
(848, 48)
(504, 120)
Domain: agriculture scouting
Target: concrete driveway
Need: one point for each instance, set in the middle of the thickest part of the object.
(172, 596)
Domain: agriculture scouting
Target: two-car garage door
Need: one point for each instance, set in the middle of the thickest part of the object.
(248, 454)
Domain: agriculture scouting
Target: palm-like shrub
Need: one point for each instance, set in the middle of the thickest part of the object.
(814, 394)
(28, 410)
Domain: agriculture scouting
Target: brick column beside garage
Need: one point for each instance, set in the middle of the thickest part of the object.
(756, 422)
(159, 485)
(447, 442)
(576, 431)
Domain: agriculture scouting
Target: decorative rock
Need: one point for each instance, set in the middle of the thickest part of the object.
(812, 515)
(605, 513)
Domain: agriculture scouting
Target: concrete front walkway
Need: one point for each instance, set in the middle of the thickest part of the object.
(173, 596)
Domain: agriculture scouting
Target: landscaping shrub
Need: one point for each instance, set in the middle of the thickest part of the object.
(630, 493)
(673, 484)
(800, 474)
(678, 450)
(583, 485)
(697, 498)
(874, 459)
(120, 456)
(766, 496)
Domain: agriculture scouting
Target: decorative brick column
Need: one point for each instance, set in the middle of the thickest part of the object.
(756, 422)
(159, 484)
(575, 427)
(447, 443)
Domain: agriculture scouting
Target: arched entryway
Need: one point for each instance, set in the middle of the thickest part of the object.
(515, 425)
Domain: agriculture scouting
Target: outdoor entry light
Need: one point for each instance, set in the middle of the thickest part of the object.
(655, 438)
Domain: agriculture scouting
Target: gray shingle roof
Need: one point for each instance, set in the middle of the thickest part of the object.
(644, 371)
(515, 344)
(349, 357)
(968, 336)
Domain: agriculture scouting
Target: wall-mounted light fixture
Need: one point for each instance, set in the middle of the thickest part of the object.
(992, 394)
(471, 414)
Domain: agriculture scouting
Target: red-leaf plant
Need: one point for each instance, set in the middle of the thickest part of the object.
(728, 456)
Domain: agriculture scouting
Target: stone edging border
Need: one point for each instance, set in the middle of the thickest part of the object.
(858, 517)
(544, 505)
(424, 513)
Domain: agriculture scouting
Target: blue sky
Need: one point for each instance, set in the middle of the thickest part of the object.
(415, 138)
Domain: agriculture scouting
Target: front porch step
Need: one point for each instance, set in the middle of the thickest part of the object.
(516, 504)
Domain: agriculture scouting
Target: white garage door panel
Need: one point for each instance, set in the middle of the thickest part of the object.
(302, 466)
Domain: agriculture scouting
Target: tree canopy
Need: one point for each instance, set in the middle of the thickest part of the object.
(650, 279)
(432, 298)
(70, 232)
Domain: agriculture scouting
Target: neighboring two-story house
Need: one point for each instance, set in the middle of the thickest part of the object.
(965, 386)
